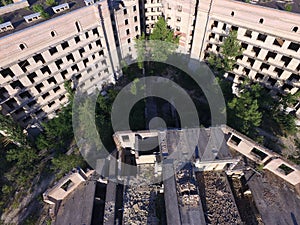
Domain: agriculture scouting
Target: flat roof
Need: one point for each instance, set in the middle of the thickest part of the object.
(276, 4)
(275, 201)
(17, 17)
(210, 144)
(170, 194)
(77, 208)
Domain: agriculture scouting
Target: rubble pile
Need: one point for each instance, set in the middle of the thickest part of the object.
(139, 201)
(218, 199)
(139, 205)
(186, 188)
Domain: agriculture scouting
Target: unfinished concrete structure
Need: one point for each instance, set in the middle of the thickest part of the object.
(269, 37)
(270, 161)
(195, 186)
(173, 155)
(37, 59)
(79, 44)
(62, 189)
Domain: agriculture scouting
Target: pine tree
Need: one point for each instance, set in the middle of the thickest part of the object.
(164, 42)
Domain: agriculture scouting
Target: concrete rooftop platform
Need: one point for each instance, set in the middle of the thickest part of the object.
(77, 208)
(276, 202)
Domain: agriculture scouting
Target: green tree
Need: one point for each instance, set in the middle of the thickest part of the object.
(288, 7)
(51, 2)
(164, 41)
(6, 2)
(69, 89)
(13, 131)
(64, 163)
(226, 59)
(24, 158)
(58, 132)
(39, 8)
(244, 114)
(140, 45)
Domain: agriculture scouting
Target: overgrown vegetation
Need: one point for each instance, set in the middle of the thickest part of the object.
(162, 43)
(6, 2)
(226, 59)
(51, 2)
(39, 8)
(288, 7)
(254, 107)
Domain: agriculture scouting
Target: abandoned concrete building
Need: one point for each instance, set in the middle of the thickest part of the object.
(193, 169)
(186, 176)
(84, 42)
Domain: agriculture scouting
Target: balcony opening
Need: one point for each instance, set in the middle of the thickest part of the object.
(248, 34)
(31, 77)
(39, 87)
(17, 84)
(45, 69)
(286, 60)
(251, 61)
(52, 80)
(278, 42)
(53, 50)
(287, 87)
(264, 66)
(294, 78)
(272, 81)
(256, 50)
(261, 37)
(44, 96)
(38, 58)
(65, 45)
(259, 76)
(294, 46)
(7, 72)
(64, 73)
(25, 94)
(23, 65)
(271, 55)
(58, 63)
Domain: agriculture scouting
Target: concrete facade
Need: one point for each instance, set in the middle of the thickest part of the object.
(36, 62)
(80, 45)
(269, 38)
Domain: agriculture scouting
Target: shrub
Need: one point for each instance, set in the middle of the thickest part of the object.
(288, 7)
(6, 2)
(51, 2)
(38, 8)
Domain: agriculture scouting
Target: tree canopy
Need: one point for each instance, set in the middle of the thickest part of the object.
(164, 40)
(226, 59)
